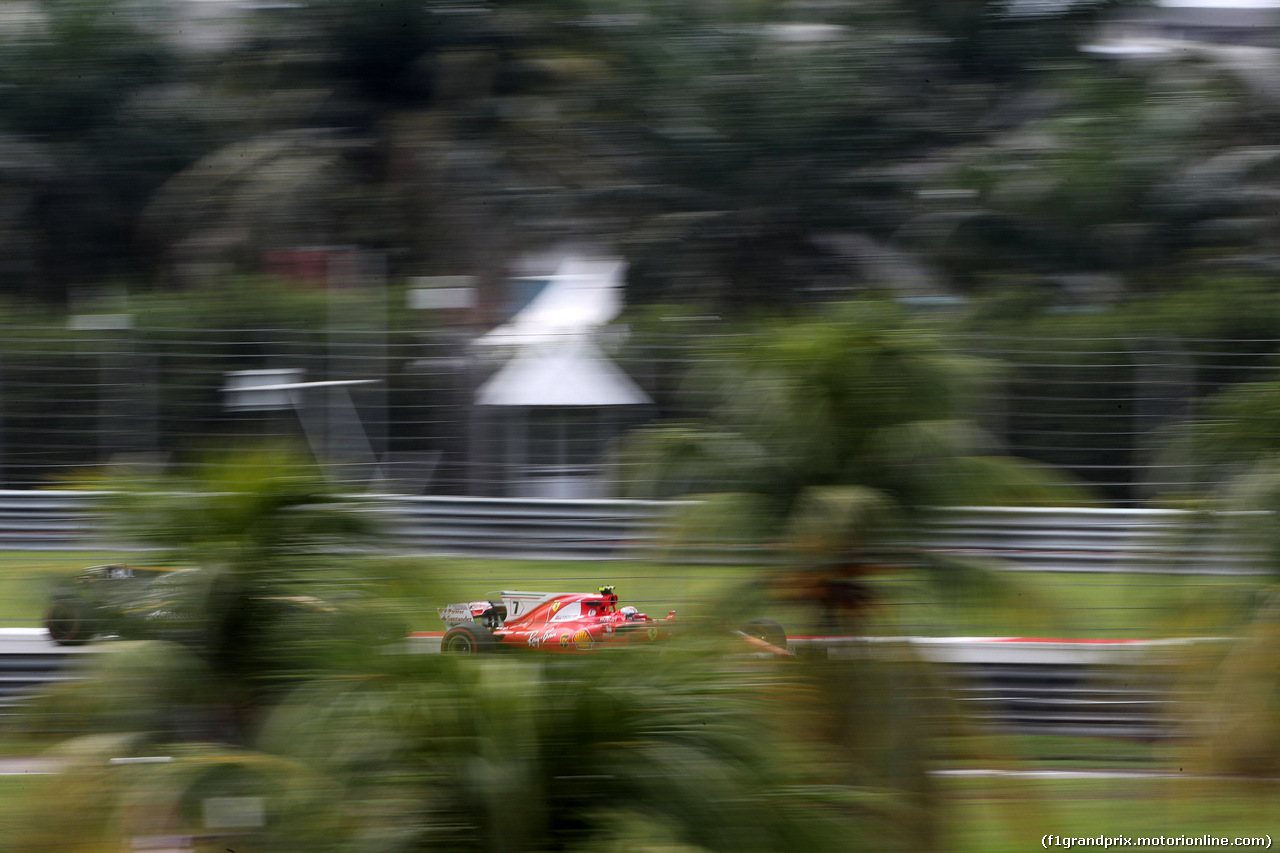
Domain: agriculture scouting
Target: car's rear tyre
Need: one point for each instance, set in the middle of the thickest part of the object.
(468, 638)
(768, 630)
(67, 625)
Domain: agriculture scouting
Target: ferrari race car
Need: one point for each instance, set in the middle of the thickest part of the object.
(569, 623)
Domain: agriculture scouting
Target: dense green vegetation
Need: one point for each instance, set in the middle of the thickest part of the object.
(746, 159)
(792, 186)
(1011, 814)
(740, 155)
(336, 737)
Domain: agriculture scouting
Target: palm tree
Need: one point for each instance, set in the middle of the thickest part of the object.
(653, 752)
(269, 603)
(265, 531)
(685, 750)
(667, 748)
(839, 435)
(1140, 174)
(93, 118)
(1231, 699)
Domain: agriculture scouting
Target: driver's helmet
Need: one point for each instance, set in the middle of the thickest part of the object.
(629, 612)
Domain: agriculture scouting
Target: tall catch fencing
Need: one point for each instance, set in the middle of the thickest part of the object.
(396, 410)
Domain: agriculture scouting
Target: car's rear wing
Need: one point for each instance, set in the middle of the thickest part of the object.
(508, 604)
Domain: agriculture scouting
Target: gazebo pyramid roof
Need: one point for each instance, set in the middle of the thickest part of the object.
(568, 371)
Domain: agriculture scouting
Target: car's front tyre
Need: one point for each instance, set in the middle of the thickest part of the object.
(469, 638)
(67, 624)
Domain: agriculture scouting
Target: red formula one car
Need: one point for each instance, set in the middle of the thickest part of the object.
(568, 623)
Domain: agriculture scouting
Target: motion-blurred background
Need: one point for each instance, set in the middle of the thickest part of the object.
(916, 326)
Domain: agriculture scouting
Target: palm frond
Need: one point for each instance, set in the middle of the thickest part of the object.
(834, 523)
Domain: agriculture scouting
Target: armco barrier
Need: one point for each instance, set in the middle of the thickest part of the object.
(29, 662)
(48, 521)
(1092, 540)
(523, 528)
(1030, 539)
(1098, 688)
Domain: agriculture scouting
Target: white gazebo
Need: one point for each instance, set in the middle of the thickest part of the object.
(561, 399)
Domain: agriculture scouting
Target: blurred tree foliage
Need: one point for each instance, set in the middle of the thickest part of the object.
(1096, 381)
(833, 400)
(1233, 693)
(689, 750)
(330, 743)
(764, 157)
(742, 154)
(738, 154)
(836, 437)
(1134, 182)
(263, 527)
(92, 121)
(743, 157)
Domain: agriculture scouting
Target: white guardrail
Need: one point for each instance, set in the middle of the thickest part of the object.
(1028, 539)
